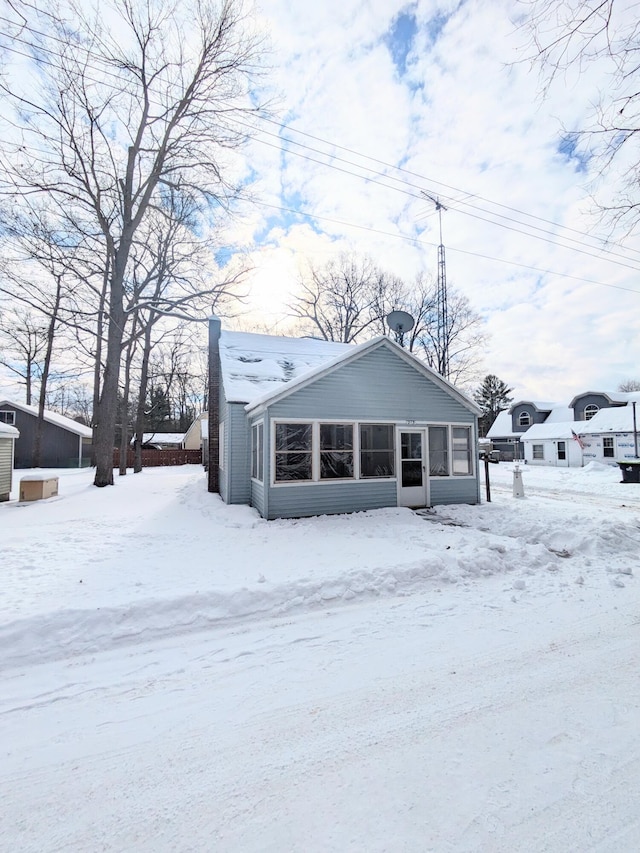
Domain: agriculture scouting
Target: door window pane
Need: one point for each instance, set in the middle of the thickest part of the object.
(411, 445)
(411, 472)
(562, 450)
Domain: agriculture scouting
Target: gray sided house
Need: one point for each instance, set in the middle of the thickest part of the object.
(307, 427)
(8, 436)
(64, 443)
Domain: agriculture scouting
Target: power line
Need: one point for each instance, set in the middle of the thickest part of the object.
(420, 242)
(401, 169)
(417, 195)
(372, 176)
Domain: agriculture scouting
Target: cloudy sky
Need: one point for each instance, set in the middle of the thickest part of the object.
(378, 102)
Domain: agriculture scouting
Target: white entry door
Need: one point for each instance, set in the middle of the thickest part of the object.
(412, 471)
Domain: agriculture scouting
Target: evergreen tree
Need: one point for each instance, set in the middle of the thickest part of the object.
(492, 397)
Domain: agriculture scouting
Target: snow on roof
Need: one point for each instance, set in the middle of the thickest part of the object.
(8, 431)
(616, 419)
(52, 418)
(612, 396)
(537, 404)
(556, 429)
(559, 414)
(502, 427)
(350, 352)
(162, 437)
(253, 365)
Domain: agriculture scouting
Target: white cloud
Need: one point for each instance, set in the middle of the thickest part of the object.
(467, 114)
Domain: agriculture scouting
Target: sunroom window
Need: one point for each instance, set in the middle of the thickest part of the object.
(257, 464)
(293, 456)
(538, 451)
(336, 451)
(461, 437)
(377, 450)
(438, 451)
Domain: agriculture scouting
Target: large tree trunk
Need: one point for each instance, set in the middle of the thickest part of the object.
(46, 367)
(142, 396)
(107, 409)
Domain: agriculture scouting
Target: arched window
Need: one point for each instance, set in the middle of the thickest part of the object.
(590, 411)
(524, 419)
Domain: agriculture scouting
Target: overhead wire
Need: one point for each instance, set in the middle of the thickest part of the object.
(421, 242)
(371, 176)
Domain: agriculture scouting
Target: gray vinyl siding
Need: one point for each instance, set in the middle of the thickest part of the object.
(237, 472)
(378, 387)
(585, 400)
(326, 498)
(453, 490)
(6, 459)
(60, 448)
(535, 416)
(258, 497)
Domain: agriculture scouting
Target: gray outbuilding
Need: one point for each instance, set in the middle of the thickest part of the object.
(64, 443)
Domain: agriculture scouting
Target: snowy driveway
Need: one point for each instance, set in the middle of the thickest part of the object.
(490, 702)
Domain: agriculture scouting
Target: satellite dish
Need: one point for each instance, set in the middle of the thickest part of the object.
(400, 322)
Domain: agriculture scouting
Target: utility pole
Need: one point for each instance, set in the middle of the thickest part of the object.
(443, 310)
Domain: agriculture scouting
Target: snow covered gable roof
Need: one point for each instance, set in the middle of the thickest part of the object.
(161, 438)
(502, 427)
(8, 431)
(52, 418)
(351, 353)
(559, 414)
(616, 419)
(557, 429)
(253, 365)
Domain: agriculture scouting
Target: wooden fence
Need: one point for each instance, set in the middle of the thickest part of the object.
(151, 458)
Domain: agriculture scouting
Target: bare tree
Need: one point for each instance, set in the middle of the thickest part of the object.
(349, 299)
(567, 36)
(23, 342)
(465, 336)
(341, 300)
(629, 385)
(127, 107)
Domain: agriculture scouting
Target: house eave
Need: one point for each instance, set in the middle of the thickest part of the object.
(258, 406)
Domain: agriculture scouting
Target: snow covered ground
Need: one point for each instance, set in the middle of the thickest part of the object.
(179, 675)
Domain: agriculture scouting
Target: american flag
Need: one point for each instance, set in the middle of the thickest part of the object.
(578, 439)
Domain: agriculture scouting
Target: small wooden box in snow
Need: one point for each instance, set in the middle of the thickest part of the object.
(35, 487)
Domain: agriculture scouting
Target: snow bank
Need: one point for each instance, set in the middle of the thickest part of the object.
(157, 555)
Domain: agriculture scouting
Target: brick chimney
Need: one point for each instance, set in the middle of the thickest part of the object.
(214, 404)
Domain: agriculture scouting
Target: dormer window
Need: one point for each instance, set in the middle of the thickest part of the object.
(524, 419)
(590, 411)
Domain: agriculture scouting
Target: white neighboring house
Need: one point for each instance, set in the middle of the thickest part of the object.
(162, 440)
(557, 444)
(609, 435)
(608, 438)
(193, 436)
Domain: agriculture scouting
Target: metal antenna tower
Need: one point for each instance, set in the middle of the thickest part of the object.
(443, 310)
